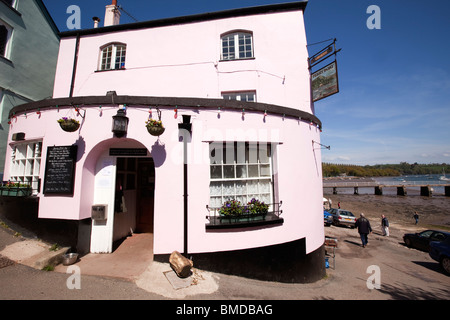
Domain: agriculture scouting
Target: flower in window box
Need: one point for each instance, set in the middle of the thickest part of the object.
(231, 208)
(155, 127)
(69, 124)
(257, 207)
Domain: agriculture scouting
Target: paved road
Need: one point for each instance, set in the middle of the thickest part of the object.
(404, 274)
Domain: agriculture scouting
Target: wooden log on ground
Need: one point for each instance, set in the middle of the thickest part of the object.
(181, 265)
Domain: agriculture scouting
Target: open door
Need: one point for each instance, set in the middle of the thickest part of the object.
(145, 195)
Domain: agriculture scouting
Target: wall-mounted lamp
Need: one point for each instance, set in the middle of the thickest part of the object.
(186, 124)
(120, 123)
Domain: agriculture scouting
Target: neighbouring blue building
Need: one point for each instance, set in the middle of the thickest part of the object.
(29, 44)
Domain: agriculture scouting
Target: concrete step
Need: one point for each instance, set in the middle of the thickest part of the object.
(46, 258)
(34, 253)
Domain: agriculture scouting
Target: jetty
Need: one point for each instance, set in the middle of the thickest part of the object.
(425, 189)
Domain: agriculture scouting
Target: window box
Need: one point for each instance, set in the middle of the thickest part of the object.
(11, 191)
(217, 221)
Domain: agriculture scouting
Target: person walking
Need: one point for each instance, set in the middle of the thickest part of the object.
(416, 217)
(384, 225)
(364, 229)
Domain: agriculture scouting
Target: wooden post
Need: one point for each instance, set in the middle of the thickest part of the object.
(425, 191)
(447, 191)
(401, 191)
(379, 190)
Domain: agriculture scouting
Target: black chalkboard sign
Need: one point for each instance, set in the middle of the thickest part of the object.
(60, 170)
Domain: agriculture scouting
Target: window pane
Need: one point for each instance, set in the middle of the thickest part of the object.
(264, 153)
(241, 187)
(216, 172)
(215, 202)
(265, 170)
(216, 153)
(228, 189)
(253, 171)
(228, 172)
(252, 188)
(120, 57)
(215, 188)
(228, 47)
(241, 171)
(245, 45)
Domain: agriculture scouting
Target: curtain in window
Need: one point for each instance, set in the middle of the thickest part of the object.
(240, 171)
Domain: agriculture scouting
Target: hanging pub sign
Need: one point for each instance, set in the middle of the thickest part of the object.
(60, 170)
(324, 82)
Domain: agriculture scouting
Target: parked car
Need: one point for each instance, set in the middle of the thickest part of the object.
(422, 239)
(440, 251)
(327, 218)
(343, 217)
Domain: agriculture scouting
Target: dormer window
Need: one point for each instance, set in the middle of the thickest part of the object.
(237, 45)
(112, 56)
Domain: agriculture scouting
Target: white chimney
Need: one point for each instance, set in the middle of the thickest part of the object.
(96, 21)
(112, 14)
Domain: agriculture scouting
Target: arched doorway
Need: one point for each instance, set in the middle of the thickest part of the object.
(122, 174)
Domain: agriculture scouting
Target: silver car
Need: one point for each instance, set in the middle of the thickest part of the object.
(343, 217)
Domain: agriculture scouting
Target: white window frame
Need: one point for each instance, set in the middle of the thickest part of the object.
(117, 51)
(248, 96)
(241, 171)
(26, 163)
(9, 30)
(237, 45)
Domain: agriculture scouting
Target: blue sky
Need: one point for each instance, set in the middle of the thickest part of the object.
(394, 99)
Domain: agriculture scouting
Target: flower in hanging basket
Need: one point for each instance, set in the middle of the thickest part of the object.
(69, 124)
(155, 127)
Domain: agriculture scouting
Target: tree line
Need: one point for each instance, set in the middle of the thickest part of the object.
(383, 170)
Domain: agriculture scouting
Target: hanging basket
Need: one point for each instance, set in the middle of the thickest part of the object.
(156, 131)
(155, 127)
(69, 126)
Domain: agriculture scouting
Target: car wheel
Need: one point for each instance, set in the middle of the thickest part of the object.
(445, 264)
(408, 242)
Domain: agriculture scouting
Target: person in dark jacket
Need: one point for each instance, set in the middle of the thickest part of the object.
(364, 229)
(384, 225)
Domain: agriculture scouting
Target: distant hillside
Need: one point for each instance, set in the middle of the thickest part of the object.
(383, 170)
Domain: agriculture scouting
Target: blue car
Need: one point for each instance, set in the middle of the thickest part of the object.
(327, 218)
(440, 251)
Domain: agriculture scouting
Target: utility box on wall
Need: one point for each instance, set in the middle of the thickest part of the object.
(99, 212)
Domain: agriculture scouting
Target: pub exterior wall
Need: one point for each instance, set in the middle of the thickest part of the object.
(161, 63)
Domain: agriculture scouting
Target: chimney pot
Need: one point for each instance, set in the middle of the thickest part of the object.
(112, 14)
(96, 21)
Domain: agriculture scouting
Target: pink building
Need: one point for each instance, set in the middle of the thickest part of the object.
(232, 90)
